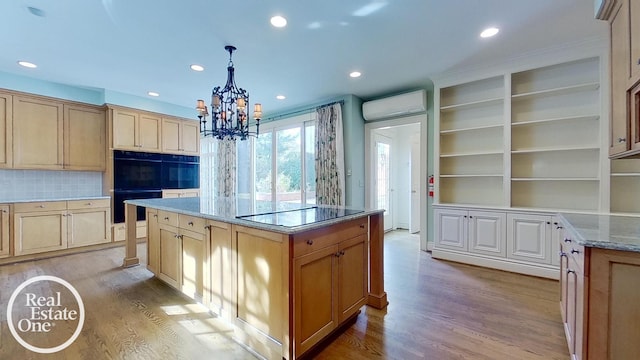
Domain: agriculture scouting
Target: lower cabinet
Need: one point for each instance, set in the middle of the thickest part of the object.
(5, 251)
(330, 286)
(512, 241)
(55, 225)
(600, 302)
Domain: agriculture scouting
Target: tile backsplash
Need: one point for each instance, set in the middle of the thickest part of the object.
(48, 184)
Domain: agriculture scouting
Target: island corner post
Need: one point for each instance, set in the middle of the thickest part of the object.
(131, 251)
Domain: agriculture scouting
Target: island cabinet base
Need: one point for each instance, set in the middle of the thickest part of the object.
(283, 293)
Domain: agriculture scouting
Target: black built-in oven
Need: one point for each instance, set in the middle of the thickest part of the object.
(140, 175)
(180, 171)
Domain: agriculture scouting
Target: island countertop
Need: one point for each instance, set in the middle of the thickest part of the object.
(294, 219)
(604, 231)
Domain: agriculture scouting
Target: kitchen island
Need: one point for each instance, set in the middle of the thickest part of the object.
(599, 277)
(284, 280)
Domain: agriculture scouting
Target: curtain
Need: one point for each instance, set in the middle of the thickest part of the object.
(225, 185)
(329, 161)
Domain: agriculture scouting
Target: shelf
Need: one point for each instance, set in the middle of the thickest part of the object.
(554, 179)
(557, 91)
(560, 119)
(472, 154)
(444, 132)
(470, 175)
(558, 149)
(471, 104)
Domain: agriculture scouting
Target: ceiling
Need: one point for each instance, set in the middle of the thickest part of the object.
(133, 47)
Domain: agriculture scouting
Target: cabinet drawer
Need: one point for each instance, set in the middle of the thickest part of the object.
(576, 253)
(313, 240)
(40, 206)
(192, 223)
(168, 218)
(88, 204)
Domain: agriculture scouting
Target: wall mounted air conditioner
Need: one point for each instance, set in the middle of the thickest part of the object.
(403, 104)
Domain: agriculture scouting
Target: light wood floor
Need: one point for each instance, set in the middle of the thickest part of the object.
(438, 310)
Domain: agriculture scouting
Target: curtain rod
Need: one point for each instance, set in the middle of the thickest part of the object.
(302, 111)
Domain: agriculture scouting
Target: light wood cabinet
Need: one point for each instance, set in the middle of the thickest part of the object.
(6, 132)
(5, 249)
(330, 283)
(37, 133)
(153, 241)
(169, 269)
(180, 136)
(85, 131)
(47, 226)
(217, 279)
(137, 131)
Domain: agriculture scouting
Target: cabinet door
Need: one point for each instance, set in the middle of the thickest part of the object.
(619, 140)
(451, 229)
(4, 231)
(219, 265)
(153, 241)
(193, 251)
(487, 232)
(37, 133)
(529, 238)
(353, 276)
(315, 284)
(190, 137)
(84, 138)
(89, 227)
(6, 136)
(125, 130)
(171, 135)
(149, 132)
(39, 232)
(170, 256)
(571, 278)
(634, 21)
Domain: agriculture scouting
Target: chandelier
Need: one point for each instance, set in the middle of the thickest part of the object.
(229, 105)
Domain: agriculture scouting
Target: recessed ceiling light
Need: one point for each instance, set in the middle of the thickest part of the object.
(27, 64)
(281, 97)
(489, 32)
(196, 67)
(355, 74)
(278, 21)
(153, 93)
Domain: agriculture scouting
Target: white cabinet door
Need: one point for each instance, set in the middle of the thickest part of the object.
(529, 237)
(451, 229)
(487, 233)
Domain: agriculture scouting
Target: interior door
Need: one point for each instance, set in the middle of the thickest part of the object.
(382, 178)
(414, 219)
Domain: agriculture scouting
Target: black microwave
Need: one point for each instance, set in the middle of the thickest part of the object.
(137, 170)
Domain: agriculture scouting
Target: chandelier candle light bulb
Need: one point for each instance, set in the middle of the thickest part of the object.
(228, 109)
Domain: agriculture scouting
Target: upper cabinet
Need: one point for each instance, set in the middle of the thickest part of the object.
(137, 131)
(624, 17)
(6, 142)
(55, 135)
(180, 136)
(37, 133)
(85, 130)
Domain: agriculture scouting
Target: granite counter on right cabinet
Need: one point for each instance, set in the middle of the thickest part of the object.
(600, 285)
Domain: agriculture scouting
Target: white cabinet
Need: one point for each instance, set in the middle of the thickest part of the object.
(529, 237)
(480, 232)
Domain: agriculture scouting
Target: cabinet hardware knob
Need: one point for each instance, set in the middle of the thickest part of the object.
(166, 218)
(361, 226)
(41, 206)
(569, 271)
(337, 254)
(342, 253)
(470, 217)
(207, 227)
(155, 215)
(567, 240)
(88, 204)
(574, 251)
(563, 254)
(309, 242)
(559, 227)
(621, 140)
(555, 223)
(548, 222)
(465, 216)
(190, 223)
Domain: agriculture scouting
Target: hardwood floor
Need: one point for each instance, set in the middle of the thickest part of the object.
(438, 310)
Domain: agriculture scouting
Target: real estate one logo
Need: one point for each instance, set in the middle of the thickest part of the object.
(45, 319)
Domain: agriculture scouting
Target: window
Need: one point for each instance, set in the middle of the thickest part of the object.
(274, 171)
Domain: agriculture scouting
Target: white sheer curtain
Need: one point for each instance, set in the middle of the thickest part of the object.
(329, 156)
